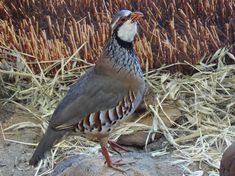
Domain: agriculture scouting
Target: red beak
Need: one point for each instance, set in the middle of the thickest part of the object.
(135, 16)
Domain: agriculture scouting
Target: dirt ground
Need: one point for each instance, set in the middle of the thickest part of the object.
(15, 155)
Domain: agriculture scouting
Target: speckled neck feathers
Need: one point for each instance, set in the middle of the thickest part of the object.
(123, 56)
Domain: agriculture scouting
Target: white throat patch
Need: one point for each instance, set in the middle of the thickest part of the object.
(127, 31)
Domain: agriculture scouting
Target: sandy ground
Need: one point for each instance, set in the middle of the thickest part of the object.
(14, 156)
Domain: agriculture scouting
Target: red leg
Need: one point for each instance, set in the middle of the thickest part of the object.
(116, 146)
(105, 153)
(108, 160)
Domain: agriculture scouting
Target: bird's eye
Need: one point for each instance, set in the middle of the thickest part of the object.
(123, 19)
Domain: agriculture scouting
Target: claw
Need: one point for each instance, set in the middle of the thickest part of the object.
(116, 146)
(116, 163)
(111, 164)
(117, 169)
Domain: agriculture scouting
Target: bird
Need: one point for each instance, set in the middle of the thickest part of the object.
(105, 95)
(227, 163)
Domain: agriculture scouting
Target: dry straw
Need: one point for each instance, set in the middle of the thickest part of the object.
(172, 31)
(206, 100)
(42, 54)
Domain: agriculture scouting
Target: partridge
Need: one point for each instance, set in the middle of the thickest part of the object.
(105, 95)
(227, 164)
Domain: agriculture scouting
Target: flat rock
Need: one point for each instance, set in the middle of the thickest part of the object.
(136, 164)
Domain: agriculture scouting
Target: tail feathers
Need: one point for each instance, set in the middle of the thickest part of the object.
(49, 139)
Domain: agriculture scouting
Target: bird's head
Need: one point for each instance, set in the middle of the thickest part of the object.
(124, 24)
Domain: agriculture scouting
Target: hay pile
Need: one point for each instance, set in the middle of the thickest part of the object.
(171, 31)
(206, 100)
(45, 46)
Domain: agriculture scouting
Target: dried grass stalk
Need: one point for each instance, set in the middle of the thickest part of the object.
(173, 31)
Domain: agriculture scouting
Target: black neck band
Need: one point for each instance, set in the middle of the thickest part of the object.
(122, 43)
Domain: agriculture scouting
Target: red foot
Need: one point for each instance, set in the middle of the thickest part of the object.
(109, 162)
(116, 163)
(116, 146)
